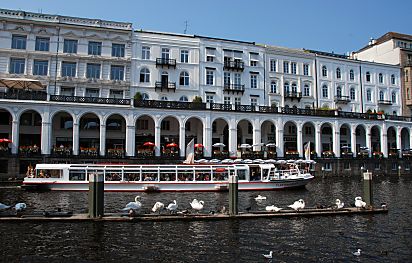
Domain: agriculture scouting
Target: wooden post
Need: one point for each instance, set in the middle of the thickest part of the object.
(367, 188)
(233, 195)
(96, 195)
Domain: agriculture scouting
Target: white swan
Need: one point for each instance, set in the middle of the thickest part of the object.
(357, 253)
(20, 206)
(197, 205)
(136, 205)
(4, 207)
(172, 207)
(268, 255)
(297, 205)
(339, 204)
(359, 203)
(260, 198)
(272, 208)
(158, 206)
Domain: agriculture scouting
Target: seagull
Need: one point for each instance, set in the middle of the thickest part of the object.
(136, 205)
(20, 207)
(172, 207)
(297, 205)
(339, 204)
(260, 198)
(157, 207)
(4, 207)
(359, 203)
(197, 205)
(357, 253)
(268, 255)
(273, 208)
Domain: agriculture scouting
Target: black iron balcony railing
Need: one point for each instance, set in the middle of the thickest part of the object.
(293, 95)
(78, 99)
(169, 104)
(385, 102)
(221, 107)
(245, 108)
(166, 62)
(342, 99)
(234, 65)
(398, 118)
(357, 115)
(268, 109)
(309, 112)
(165, 86)
(238, 88)
(23, 95)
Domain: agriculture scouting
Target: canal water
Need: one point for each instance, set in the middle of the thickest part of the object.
(381, 237)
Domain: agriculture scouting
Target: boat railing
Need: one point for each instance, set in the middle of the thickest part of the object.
(285, 174)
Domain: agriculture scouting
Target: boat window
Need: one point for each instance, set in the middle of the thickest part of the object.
(113, 176)
(185, 175)
(89, 172)
(202, 176)
(77, 175)
(131, 175)
(241, 174)
(220, 174)
(149, 175)
(265, 173)
(48, 173)
(167, 175)
(254, 173)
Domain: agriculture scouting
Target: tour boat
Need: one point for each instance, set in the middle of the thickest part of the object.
(158, 178)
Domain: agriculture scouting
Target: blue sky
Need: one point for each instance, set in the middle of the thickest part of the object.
(329, 25)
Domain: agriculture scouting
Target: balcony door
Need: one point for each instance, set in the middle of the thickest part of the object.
(164, 78)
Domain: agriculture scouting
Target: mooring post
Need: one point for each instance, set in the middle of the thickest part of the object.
(96, 195)
(233, 195)
(367, 188)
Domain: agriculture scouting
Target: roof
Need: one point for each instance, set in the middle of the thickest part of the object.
(328, 54)
(386, 37)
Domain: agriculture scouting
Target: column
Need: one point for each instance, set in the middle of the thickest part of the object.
(257, 138)
(102, 139)
(353, 141)
(368, 140)
(130, 140)
(157, 139)
(45, 137)
(76, 137)
(207, 141)
(384, 143)
(336, 141)
(318, 141)
(15, 129)
(182, 141)
(299, 142)
(280, 143)
(399, 140)
(232, 141)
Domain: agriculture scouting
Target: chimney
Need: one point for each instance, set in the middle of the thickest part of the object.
(372, 41)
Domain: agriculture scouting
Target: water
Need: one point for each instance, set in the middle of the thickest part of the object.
(382, 237)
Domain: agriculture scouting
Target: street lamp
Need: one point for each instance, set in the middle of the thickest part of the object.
(399, 170)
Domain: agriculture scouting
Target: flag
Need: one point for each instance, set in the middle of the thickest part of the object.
(190, 152)
(307, 151)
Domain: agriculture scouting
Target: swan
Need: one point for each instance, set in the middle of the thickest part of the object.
(20, 206)
(357, 253)
(158, 206)
(297, 205)
(136, 205)
(268, 255)
(260, 198)
(172, 207)
(197, 205)
(339, 204)
(273, 208)
(359, 203)
(4, 207)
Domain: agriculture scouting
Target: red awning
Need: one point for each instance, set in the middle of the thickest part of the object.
(171, 145)
(148, 144)
(5, 140)
(199, 145)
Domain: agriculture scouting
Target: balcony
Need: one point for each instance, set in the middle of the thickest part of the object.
(342, 99)
(221, 107)
(97, 100)
(165, 86)
(236, 65)
(13, 94)
(385, 102)
(160, 104)
(308, 112)
(166, 62)
(234, 88)
(293, 95)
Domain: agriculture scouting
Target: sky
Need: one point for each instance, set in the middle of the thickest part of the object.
(325, 25)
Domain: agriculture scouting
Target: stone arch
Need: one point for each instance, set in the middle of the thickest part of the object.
(326, 138)
(309, 135)
(375, 132)
(62, 132)
(144, 133)
(30, 121)
(89, 133)
(115, 135)
(345, 140)
(405, 139)
(169, 135)
(290, 139)
(220, 134)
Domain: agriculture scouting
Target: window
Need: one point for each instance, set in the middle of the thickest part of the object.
(253, 81)
(351, 74)
(145, 52)
(165, 53)
(273, 65)
(368, 95)
(306, 90)
(184, 79)
(238, 80)
(68, 69)
(210, 98)
(95, 48)
(338, 73)
(293, 67)
(285, 66)
(117, 72)
(70, 46)
(408, 94)
(339, 92)
(286, 87)
(368, 76)
(393, 97)
(210, 77)
(142, 124)
(118, 50)
(17, 66)
(306, 69)
(92, 93)
(381, 95)
(93, 71)
(18, 42)
(226, 78)
(407, 75)
(380, 78)
(184, 56)
(210, 54)
(253, 101)
(254, 58)
(308, 130)
(393, 82)
(165, 125)
(273, 87)
(238, 101)
(294, 88)
(325, 91)
(352, 94)
(42, 44)
(184, 98)
(40, 67)
(67, 91)
(253, 63)
(116, 94)
(324, 71)
(226, 100)
(144, 75)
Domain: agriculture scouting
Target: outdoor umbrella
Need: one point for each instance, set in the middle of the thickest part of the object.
(171, 145)
(198, 145)
(5, 140)
(219, 144)
(148, 144)
(22, 83)
(271, 145)
(245, 146)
